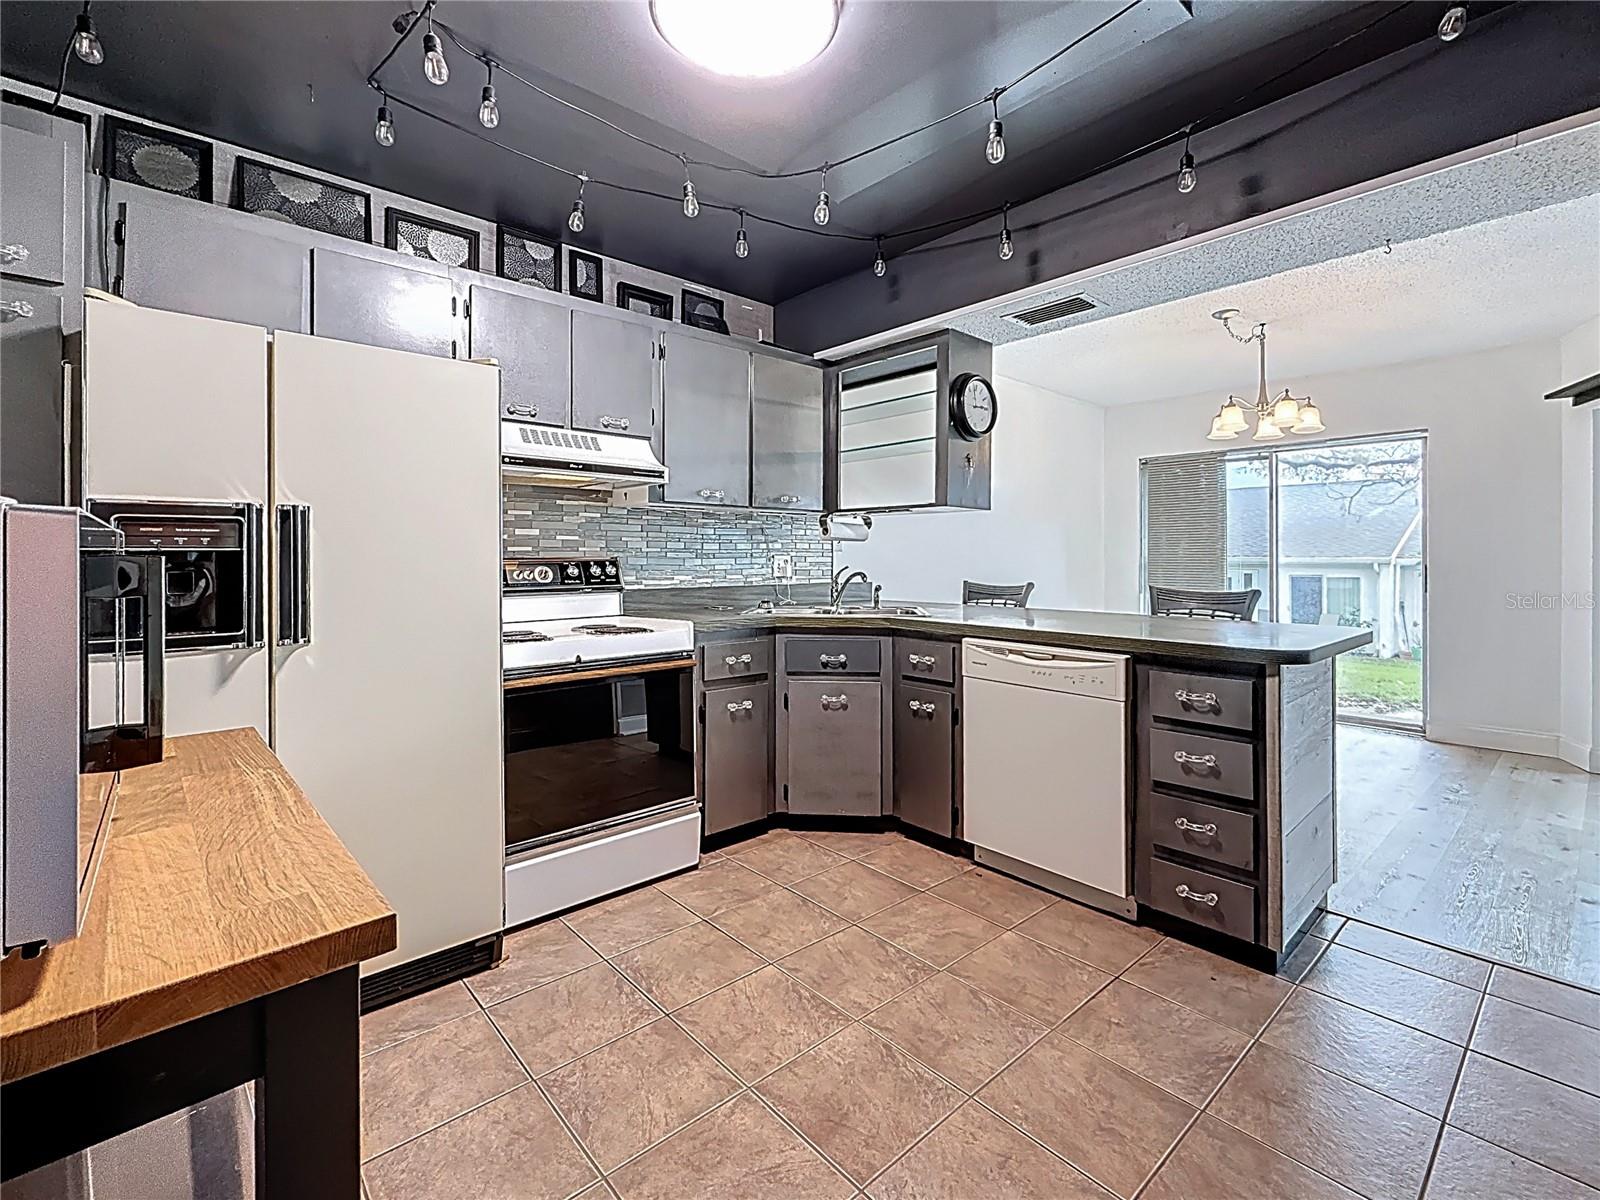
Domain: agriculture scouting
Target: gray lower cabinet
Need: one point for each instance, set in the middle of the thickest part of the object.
(33, 206)
(32, 422)
(785, 435)
(532, 341)
(924, 757)
(208, 262)
(614, 369)
(835, 747)
(737, 752)
(705, 401)
(376, 303)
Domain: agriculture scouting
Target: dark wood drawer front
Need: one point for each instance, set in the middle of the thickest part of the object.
(1207, 764)
(1206, 699)
(928, 662)
(1203, 898)
(738, 660)
(1203, 830)
(832, 656)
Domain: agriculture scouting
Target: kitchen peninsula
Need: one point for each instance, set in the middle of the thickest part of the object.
(1228, 789)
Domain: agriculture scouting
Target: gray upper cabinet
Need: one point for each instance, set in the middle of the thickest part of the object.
(532, 341)
(205, 261)
(376, 303)
(786, 435)
(613, 374)
(706, 409)
(32, 206)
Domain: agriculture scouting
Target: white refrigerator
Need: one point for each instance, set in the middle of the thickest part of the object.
(379, 682)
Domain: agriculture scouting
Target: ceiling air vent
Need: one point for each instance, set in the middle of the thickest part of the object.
(1056, 310)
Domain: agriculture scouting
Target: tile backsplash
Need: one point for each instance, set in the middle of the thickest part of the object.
(664, 545)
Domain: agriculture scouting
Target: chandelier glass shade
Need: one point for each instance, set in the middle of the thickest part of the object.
(1274, 418)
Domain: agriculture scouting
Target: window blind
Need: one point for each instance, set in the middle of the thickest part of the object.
(1186, 522)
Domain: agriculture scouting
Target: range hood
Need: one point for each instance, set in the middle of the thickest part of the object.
(571, 458)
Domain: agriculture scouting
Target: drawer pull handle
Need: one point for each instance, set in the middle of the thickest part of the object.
(1209, 899)
(833, 660)
(13, 253)
(711, 493)
(1195, 760)
(613, 422)
(921, 660)
(736, 706)
(835, 703)
(924, 706)
(1188, 826)
(1196, 699)
(735, 660)
(522, 410)
(788, 499)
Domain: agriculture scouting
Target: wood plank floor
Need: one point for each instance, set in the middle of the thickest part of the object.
(1494, 853)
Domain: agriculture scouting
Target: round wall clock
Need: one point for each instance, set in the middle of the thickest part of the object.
(972, 406)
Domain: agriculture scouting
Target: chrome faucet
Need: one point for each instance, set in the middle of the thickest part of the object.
(841, 585)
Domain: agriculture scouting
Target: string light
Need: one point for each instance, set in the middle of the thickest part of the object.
(995, 149)
(821, 213)
(383, 131)
(85, 41)
(878, 265)
(1454, 23)
(489, 110)
(575, 221)
(741, 244)
(1186, 175)
(433, 63)
(1006, 248)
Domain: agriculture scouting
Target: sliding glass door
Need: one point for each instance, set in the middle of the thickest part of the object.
(1331, 534)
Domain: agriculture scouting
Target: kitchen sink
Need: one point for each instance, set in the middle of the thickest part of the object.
(845, 610)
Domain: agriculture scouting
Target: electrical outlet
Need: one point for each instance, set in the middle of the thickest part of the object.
(782, 566)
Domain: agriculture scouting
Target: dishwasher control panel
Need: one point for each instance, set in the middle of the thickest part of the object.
(1080, 672)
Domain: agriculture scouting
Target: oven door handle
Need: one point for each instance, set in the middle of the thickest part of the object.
(294, 574)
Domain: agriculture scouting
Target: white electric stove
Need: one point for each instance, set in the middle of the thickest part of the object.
(599, 738)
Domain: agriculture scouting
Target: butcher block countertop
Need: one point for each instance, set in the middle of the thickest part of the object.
(220, 884)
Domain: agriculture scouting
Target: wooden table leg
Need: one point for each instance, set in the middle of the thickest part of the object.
(308, 1099)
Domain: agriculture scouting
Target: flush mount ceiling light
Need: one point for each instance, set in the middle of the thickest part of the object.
(1274, 418)
(749, 41)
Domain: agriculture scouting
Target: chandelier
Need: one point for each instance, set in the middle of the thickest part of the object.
(1274, 418)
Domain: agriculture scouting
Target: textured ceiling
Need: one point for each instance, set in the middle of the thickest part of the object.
(1506, 280)
(286, 79)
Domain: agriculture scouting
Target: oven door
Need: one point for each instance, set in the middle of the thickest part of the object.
(593, 751)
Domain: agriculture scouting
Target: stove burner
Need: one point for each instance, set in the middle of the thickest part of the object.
(524, 635)
(608, 630)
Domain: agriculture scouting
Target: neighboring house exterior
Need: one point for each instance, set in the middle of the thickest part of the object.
(1349, 553)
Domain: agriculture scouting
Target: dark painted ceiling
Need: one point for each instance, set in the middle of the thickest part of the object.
(288, 79)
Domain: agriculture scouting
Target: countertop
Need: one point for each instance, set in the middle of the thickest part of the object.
(220, 883)
(1128, 633)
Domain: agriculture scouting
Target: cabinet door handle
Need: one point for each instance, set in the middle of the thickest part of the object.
(1194, 760)
(10, 310)
(1209, 829)
(737, 660)
(832, 660)
(13, 253)
(522, 410)
(921, 660)
(738, 706)
(1196, 699)
(711, 493)
(613, 422)
(835, 703)
(1209, 899)
(921, 706)
(788, 499)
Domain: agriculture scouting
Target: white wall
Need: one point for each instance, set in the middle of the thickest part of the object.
(1580, 550)
(1494, 521)
(1044, 523)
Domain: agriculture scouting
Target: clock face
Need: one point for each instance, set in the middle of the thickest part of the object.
(974, 406)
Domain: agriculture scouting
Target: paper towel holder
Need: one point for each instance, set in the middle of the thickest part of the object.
(849, 528)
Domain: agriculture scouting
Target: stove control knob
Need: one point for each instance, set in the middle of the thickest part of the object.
(544, 574)
(572, 570)
(611, 570)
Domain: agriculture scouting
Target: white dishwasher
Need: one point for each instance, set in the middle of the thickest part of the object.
(1045, 752)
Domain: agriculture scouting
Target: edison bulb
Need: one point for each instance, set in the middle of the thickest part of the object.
(86, 43)
(383, 131)
(691, 202)
(741, 245)
(433, 63)
(820, 214)
(575, 221)
(995, 150)
(489, 110)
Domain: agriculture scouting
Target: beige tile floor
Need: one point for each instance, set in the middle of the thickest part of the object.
(857, 1015)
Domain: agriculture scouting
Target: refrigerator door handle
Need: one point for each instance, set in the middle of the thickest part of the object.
(255, 560)
(294, 574)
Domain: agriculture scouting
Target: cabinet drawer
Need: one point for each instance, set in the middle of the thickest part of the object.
(1203, 898)
(1209, 764)
(1206, 699)
(1204, 830)
(934, 662)
(738, 660)
(831, 656)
